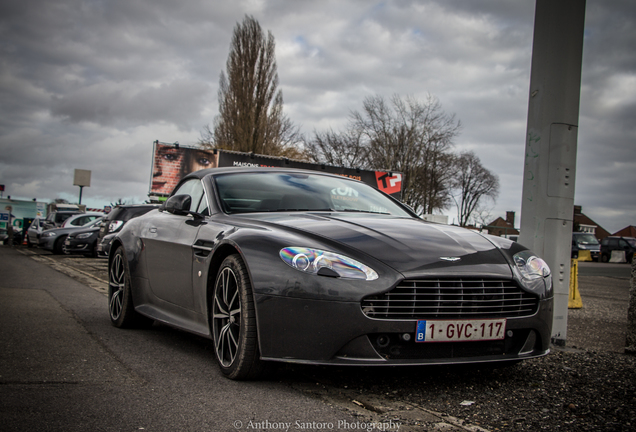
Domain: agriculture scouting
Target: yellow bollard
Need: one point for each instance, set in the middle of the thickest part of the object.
(574, 300)
(585, 255)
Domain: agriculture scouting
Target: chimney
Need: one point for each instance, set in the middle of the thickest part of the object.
(510, 218)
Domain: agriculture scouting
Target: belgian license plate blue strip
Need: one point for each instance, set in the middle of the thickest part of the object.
(460, 330)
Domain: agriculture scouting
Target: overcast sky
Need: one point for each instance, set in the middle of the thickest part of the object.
(90, 84)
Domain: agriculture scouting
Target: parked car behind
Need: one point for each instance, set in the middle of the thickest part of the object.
(57, 218)
(81, 219)
(115, 221)
(585, 241)
(616, 243)
(53, 239)
(83, 241)
(35, 231)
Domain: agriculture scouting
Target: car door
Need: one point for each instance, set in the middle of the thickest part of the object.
(169, 255)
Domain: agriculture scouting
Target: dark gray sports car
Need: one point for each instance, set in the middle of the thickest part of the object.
(300, 266)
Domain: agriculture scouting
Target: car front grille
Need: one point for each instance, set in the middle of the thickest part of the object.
(451, 299)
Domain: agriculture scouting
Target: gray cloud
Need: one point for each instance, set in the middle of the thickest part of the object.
(111, 104)
(90, 84)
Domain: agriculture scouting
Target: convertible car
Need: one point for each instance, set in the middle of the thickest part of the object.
(281, 265)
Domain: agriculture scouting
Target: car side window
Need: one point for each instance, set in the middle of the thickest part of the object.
(203, 205)
(194, 188)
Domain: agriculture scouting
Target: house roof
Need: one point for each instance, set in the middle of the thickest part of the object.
(501, 226)
(628, 231)
(581, 219)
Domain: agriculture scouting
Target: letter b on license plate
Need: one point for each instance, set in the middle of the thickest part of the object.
(460, 330)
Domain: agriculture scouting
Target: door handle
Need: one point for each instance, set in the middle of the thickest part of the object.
(153, 230)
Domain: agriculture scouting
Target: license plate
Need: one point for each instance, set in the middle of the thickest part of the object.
(460, 330)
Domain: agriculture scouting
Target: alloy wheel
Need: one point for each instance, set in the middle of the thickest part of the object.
(117, 284)
(226, 316)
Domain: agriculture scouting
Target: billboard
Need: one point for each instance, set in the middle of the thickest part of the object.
(171, 162)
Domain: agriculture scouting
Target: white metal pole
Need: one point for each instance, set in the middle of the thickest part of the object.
(551, 142)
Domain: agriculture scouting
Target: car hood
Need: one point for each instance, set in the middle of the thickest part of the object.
(410, 246)
(85, 230)
(59, 231)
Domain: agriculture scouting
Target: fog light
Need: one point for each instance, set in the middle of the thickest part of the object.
(382, 341)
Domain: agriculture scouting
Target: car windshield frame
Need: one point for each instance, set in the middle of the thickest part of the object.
(278, 191)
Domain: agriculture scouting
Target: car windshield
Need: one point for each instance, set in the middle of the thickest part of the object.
(586, 239)
(61, 217)
(631, 241)
(282, 192)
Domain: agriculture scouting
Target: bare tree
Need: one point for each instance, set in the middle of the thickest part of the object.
(251, 115)
(338, 149)
(403, 135)
(118, 202)
(473, 184)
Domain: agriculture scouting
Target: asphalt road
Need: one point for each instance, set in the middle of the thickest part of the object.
(63, 367)
(609, 270)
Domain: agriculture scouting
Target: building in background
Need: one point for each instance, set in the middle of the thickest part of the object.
(628, 231)
(582, 223)
(503, 227)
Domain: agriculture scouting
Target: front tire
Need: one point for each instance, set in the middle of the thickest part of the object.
(120, 302)
(58, 247)
(233, 321)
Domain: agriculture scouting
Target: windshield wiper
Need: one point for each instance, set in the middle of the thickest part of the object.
(300, 209)
(362, 211)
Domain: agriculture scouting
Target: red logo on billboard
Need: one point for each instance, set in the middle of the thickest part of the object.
(389, 183)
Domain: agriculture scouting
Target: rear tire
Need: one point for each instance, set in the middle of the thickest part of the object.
(233, 321)
(604, 258)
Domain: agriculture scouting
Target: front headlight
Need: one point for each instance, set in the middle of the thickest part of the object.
(314, 261)
(115, 225)
(49, 234)
(84, 235)
(531, 266)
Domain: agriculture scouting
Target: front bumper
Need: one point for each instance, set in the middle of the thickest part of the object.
(47, 243)
(79, 247)
(339, 333)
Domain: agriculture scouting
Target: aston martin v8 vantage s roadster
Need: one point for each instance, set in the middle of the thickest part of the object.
(281, 265)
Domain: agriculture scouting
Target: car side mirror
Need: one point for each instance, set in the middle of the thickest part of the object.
(178, 204)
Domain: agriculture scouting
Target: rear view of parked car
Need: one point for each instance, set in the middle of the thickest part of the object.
(611, 245)
(115, 221)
